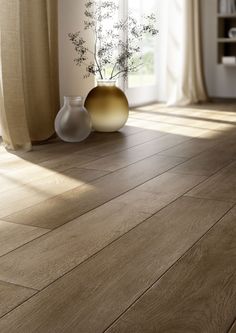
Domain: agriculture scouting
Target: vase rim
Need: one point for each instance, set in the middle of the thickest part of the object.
(74, 97)
(106, 82)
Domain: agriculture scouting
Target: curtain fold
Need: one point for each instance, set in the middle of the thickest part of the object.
(185, 78)
(29, 92)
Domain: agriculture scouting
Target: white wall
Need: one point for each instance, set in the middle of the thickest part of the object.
(221, 80)
(71, 76)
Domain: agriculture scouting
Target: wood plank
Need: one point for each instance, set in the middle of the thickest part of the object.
(56, 149)
(196, 120)
(10, 179)
(22, 171)
(190, 148)
(129, 129)
(68, 246)
(93, 295)
(227, 146)
(206, 116)
(32, 193)
(207, 110)
(12, 295)
(16, 160)
(221, 186)
(204, 164)
(197, 295)
(74, 203)
(217, 117)
(187, 131)
(122, 159)
(170, 183)
(14, 235)
(125, 142)
(151, 125)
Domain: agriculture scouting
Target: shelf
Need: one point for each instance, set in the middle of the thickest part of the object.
(226, 40)
(226, 47)
(226, 65)
(233, 15)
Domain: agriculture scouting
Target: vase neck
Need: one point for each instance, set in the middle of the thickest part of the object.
(106, 83)
(73, 100)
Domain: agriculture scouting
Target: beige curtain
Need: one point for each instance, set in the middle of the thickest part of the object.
(185, 78)
(29, 93)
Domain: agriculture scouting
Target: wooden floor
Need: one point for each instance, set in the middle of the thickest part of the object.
(129, 232)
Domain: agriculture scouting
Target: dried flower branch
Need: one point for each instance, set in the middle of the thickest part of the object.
(114, 56)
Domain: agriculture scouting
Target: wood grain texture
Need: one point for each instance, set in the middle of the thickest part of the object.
(122, 159)
(227, 145)
(170, 182)
(94, 294)
(39, 154)
(188, 117)
(76, 241)
(221, 186)
(197, 295)
(123, 143)
(21, 171)
(95, 268)
(30, 173)
(191, 148)
(57, 149)
(204, 164)
(14, 235)
(11, 296)
(71, 204)
(185, 131)
(32, 193)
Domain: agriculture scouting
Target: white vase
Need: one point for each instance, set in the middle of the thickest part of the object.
(72, 123)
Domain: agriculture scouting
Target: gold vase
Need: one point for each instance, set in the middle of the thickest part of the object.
(108, 106)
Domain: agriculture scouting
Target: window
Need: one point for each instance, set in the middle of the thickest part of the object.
(141, 86)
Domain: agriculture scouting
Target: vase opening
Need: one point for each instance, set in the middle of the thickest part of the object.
(106, 83)
(73, 100)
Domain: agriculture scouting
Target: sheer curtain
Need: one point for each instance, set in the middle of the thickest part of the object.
(29, 93)
(182, 73)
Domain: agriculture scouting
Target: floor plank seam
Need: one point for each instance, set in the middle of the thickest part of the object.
(133, 146)
(19, 285)
(30, 241)
(204, 198)
(26, 225)
(232, 325)
(108, 154)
